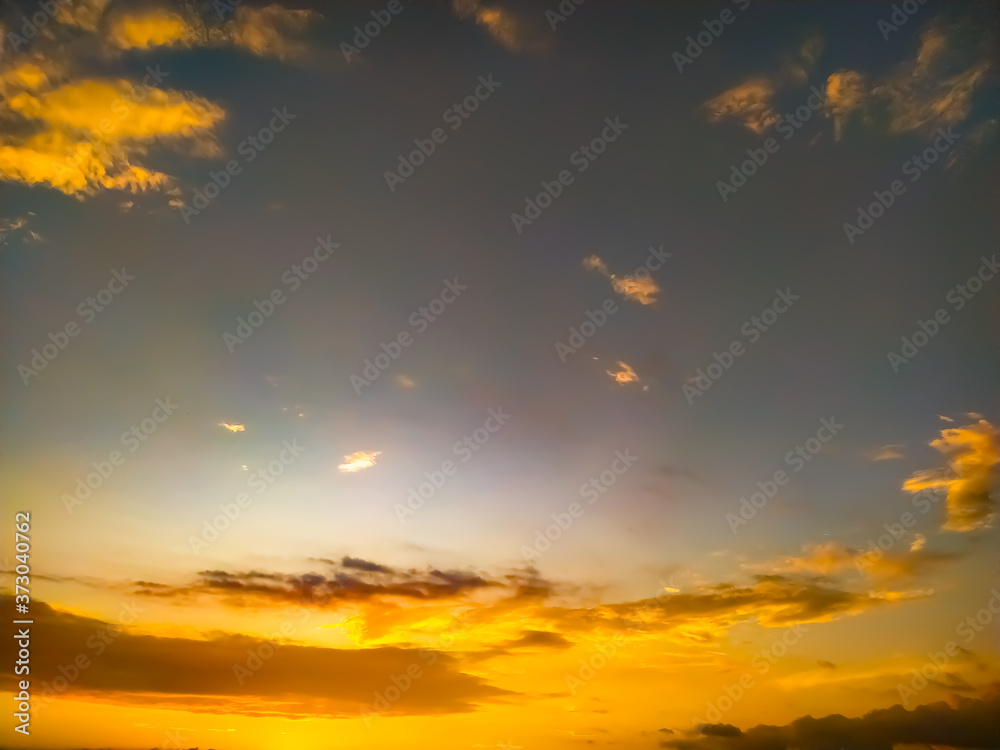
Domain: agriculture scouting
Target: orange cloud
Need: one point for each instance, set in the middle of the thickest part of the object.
(845, 92)
(624, 374)
(232, 427)
(642, 290)
(972, 452)
(933, 89)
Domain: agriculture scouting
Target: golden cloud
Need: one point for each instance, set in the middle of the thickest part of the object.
(151, 28)
(82, 136)
(751, 102)
(198, 674)
(385, 606)
(972, 453)
(116, 110)
(358, 461)
(934, 89)
(644, 291)
(72, 166)
(268, 31)
(845, 92)
(232, 427)
(831, 558)
(624, 374)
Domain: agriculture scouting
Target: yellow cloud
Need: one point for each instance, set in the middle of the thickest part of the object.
(972, 452)
(358, 461)
(86, 133)
(73, 167)
(232, 427)
(152, 28)
(116, 110)
(624, 374)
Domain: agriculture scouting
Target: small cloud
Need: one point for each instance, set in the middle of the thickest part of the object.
(232, 427)
(642, 290)
(624, 374)
(749, 103)
(153, 27)
(358, 461)
(405, 382)
(594, 263)
(17, 227)
(356, 563)
(886, 453)
(515, 33)
(270, 31)
(918, 543)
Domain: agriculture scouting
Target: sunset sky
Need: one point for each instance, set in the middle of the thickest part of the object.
(501, 374)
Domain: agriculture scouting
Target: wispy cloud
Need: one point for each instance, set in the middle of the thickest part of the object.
(515, 31)
(644, 291)
(751, 103)
(935, 88)
(886, 452)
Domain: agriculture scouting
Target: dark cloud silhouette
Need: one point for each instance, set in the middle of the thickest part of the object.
(967, 723)
(356, 563)
(365, 580)
(237, 674)
(540, 638)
